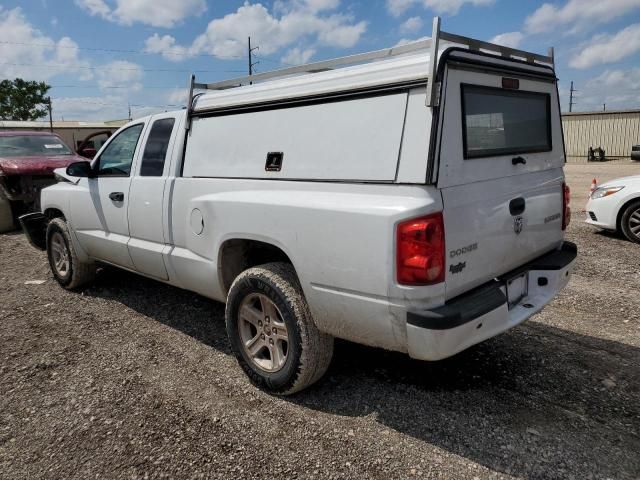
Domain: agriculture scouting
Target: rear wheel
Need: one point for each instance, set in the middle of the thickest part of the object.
(67, 269)
(271, 331)
(630, 222)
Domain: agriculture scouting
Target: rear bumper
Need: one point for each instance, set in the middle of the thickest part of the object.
(34, 226)
(484, 312)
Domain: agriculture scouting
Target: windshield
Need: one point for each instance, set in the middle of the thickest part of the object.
(32, 146)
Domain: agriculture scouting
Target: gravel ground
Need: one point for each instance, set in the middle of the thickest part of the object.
(134, 379)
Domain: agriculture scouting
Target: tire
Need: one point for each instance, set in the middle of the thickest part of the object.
(61, 253)
(307, 351)
(630, 221)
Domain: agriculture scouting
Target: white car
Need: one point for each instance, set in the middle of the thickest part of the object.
(615, 205)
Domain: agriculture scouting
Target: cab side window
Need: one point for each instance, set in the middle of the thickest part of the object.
(117, 157)
(155, 152)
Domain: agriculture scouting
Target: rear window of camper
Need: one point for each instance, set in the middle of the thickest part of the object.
(504, 122)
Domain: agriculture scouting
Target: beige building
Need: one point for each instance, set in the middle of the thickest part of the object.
(72, 132)
(614, 131)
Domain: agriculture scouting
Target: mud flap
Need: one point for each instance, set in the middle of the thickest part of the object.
(6, 215)
(34, 226)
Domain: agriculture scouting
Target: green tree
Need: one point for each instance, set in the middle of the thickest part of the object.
(23, 100)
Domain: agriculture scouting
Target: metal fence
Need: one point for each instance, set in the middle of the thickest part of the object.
(614, 131)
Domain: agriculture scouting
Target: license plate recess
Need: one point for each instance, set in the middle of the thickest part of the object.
(517, 288)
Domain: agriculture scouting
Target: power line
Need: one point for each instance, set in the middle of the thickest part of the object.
(277, 62)
(62, 65)
(115, 50)
(112, 87)
(137, 105)
(139, 52)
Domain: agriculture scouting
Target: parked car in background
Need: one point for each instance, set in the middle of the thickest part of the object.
(27, 162)
(615, 206)
(635, 153)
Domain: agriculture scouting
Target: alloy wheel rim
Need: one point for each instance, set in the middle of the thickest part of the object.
(634, 223)
(263, 333)
(59, 254)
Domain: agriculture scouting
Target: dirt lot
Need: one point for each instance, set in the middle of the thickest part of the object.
(134, 379)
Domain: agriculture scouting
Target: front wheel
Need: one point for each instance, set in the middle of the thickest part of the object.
(67, 269)
(630, 222)
(271, 331)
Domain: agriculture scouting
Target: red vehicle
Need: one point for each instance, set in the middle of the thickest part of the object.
(27, 162)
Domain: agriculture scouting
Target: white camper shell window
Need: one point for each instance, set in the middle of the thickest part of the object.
(504, 122)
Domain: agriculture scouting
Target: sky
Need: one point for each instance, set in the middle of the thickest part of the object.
(104, 57)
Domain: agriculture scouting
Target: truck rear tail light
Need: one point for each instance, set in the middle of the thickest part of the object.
(420, 253)
(566, 210)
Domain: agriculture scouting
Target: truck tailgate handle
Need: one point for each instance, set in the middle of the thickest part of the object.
(117, 196)
(516, 206)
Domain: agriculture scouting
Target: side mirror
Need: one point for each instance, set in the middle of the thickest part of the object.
(80, 169)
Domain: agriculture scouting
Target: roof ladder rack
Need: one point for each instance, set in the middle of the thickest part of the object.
(432, 44)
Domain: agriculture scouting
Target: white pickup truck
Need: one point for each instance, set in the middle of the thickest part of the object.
(412, 199)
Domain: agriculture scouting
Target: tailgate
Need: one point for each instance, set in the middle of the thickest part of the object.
(500, 173)
(484, 240)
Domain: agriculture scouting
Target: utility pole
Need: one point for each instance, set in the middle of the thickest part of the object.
(604, 107)
(571, 97)
(50, 115)
(129, 105)
(251, 62)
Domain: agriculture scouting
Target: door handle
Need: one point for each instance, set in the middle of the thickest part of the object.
(517, 160)
(117, 196)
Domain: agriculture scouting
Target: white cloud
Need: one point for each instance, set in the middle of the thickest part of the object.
(178, 96)
(289, 23)
(90, 108)
(398, 7)
(158, 13)
(166, 46)
(577, 14)
(411, 25)
(617, 79)
(404, 41)
(509, 39)
(32, 55)
(618, 89)
(298, 56)
(101, 108)
(317, 5)
(450, 7)
(67, 55)
(605, 49)
(120, 73)
(95, 7)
